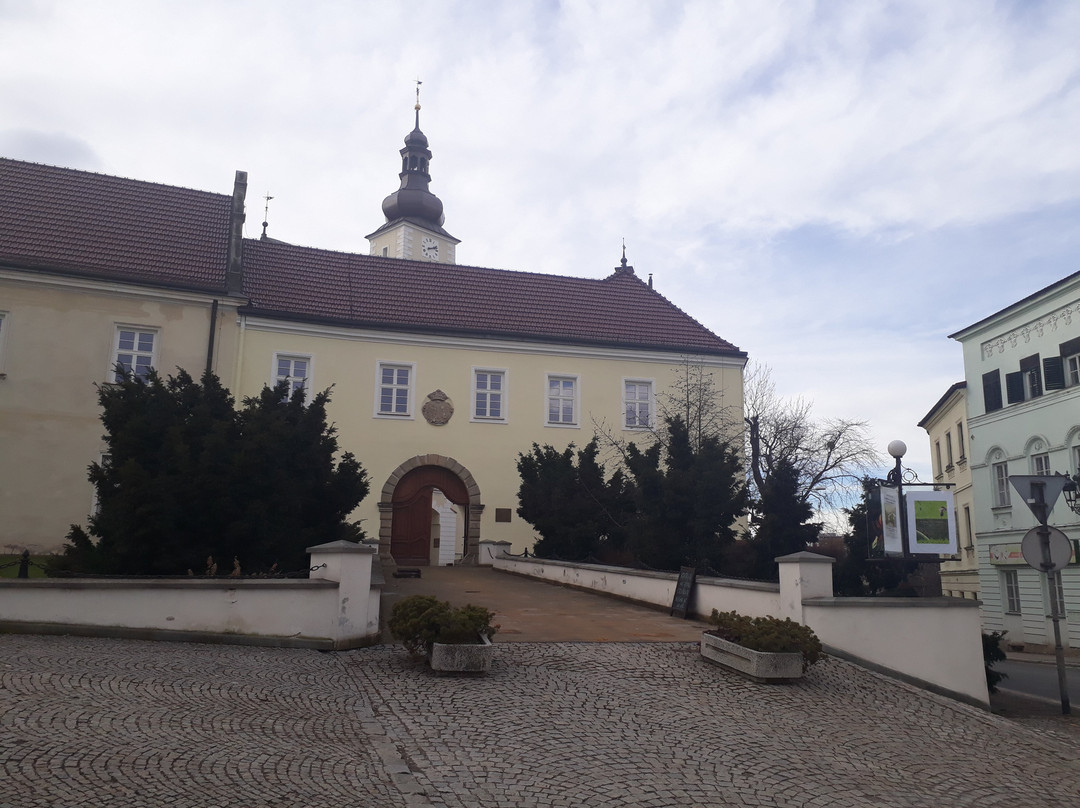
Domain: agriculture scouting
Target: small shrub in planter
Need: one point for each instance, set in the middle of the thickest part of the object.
(767, 634)
(420, 621)
(992, 654)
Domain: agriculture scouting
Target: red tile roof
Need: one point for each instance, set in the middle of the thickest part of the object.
(77, 222)
(64, 220)
(376, 292)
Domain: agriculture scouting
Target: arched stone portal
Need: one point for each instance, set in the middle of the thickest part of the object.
(405, 507)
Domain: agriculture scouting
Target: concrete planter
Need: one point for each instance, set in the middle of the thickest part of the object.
(760, 666)
(462, 657)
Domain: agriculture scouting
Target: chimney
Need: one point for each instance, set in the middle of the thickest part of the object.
(234, 274)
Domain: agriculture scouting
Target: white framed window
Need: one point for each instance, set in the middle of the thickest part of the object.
(489, 395)
(638, 404)
(135, 350)
(960, 439)
(1072, 370)
(938, 467)
(562, 400)
(1056, 595)
(394, 389)
(1032, 387)
(948, 448)
(294, 369)
(1040, 464)
(1011, 584)
(1000, 481)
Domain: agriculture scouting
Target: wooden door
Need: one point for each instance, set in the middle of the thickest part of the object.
(410, 532)
(410, 528)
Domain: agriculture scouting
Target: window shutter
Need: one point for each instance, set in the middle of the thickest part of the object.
(1070, 347)
(1030, 366)
(1054, 373)
(1014, 387)
(992, 390)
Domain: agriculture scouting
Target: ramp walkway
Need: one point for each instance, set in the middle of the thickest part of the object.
(528, 610)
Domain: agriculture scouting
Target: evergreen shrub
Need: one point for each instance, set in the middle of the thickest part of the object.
(992, 654)
(768, 634)
(419, 621)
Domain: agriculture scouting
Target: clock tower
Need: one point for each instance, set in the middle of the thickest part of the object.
(414, 215)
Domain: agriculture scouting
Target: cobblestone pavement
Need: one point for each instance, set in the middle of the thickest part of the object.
(97, 722)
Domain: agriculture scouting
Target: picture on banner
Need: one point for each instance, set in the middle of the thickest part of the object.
(931, 522)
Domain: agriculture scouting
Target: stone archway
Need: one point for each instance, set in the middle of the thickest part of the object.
(452, 475)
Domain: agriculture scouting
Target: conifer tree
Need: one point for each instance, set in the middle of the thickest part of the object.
(783, 525)
(187, 477)
(689, 493)
(568, 499)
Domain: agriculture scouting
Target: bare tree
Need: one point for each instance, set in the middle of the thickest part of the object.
(831, 455)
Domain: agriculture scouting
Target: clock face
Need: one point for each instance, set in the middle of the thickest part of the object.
(429, 248)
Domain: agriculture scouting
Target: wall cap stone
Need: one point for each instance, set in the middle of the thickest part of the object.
(340, 546)
(803, 557)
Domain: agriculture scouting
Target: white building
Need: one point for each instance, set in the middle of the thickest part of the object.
(1022, 367)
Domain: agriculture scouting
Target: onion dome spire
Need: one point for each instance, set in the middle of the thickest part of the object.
(413, 200)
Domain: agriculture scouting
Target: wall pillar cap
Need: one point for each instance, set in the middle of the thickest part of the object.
(340, 546)
(805, 556)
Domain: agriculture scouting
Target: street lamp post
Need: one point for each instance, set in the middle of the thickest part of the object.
(895, 477)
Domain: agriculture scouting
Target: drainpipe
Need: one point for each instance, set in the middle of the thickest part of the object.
(213, 333)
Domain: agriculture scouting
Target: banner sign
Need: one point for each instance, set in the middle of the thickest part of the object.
(1006, 554)
(931, 520)
(1011, 554)
(890, 521)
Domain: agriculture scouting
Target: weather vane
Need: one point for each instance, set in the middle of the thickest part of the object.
(418, 83)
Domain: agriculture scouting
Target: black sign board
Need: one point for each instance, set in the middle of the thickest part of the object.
(680, 605)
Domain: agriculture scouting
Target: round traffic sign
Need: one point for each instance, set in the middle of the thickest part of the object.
(1060, 549)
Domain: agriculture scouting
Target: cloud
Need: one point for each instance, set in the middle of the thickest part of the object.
(834, 187)
(52, 148)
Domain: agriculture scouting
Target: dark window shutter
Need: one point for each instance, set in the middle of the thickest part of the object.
(1030, 366)
(1014, 387)
(1070, 347)
(992, 390)
(1054, 373)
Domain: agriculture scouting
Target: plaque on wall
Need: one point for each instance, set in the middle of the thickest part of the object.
(437, 409)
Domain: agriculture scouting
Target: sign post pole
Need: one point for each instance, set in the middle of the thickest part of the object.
(1033, 490)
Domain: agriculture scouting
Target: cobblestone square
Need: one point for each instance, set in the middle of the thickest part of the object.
(98, 722)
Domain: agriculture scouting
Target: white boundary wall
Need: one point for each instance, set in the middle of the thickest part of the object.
(753, 598)
(935, 643)
(337, 607)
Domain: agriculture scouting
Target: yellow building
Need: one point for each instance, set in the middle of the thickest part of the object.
(947, 427)
(442, 373)
(96, 270)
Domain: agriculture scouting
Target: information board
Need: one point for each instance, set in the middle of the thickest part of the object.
(680, 604)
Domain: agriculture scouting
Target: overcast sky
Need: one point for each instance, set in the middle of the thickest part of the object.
(834, 187)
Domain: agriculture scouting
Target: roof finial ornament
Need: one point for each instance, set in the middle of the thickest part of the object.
(624, 252)
(418, 83)
(266, 213)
